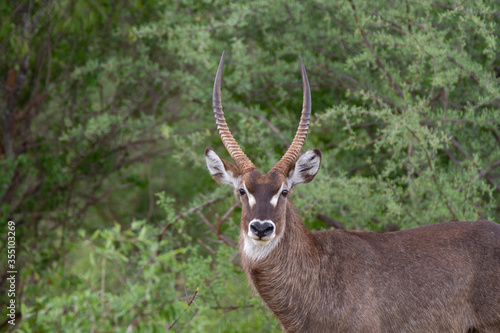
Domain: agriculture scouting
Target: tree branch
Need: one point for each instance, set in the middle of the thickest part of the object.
(372, 52)
(331, 222)
(188, 305)
(433, 176)
(273, 128)
(189, 211)
(221, 236)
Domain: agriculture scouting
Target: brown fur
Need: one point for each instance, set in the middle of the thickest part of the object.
(436, 278)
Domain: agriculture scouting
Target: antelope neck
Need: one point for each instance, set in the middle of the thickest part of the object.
(295, 244)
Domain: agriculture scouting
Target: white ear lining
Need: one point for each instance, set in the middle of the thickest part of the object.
(305, 169)
(218, 171)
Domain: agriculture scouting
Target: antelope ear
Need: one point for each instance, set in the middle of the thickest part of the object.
(306, 167)
(221, 170)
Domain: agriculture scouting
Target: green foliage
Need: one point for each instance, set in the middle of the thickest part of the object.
(119, 283)
(105, 104)
(131, 279)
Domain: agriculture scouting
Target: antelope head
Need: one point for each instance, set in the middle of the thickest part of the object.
(263, 196)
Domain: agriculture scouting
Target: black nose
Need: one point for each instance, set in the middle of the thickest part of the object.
(262, 229)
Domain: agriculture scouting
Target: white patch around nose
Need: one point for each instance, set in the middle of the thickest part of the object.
(265, 239)
(251, 198)
(274, 199)
(256, 249)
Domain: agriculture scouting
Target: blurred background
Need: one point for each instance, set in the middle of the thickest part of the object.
(106, 111)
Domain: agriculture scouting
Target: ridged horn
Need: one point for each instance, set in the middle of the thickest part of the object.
(242, 161)
(293, 151)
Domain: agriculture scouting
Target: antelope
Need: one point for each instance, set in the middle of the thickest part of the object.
(442, 277)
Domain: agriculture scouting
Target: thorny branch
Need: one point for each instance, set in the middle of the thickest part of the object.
(331, 222)
(485, 173)
(206, 246)
(372, 52)
(273, 128)
(232, 307)
(178, 217)
(433, 176)
(187, 308)
(221, 236)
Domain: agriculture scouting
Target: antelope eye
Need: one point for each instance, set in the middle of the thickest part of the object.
(284, 193)
(242, 191)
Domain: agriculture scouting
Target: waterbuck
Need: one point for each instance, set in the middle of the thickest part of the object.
(436, 278)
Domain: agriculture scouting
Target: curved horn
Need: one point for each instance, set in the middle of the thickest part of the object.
(242, 161)
(293, 151)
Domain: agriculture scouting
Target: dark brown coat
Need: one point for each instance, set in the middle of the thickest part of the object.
(436, 278)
